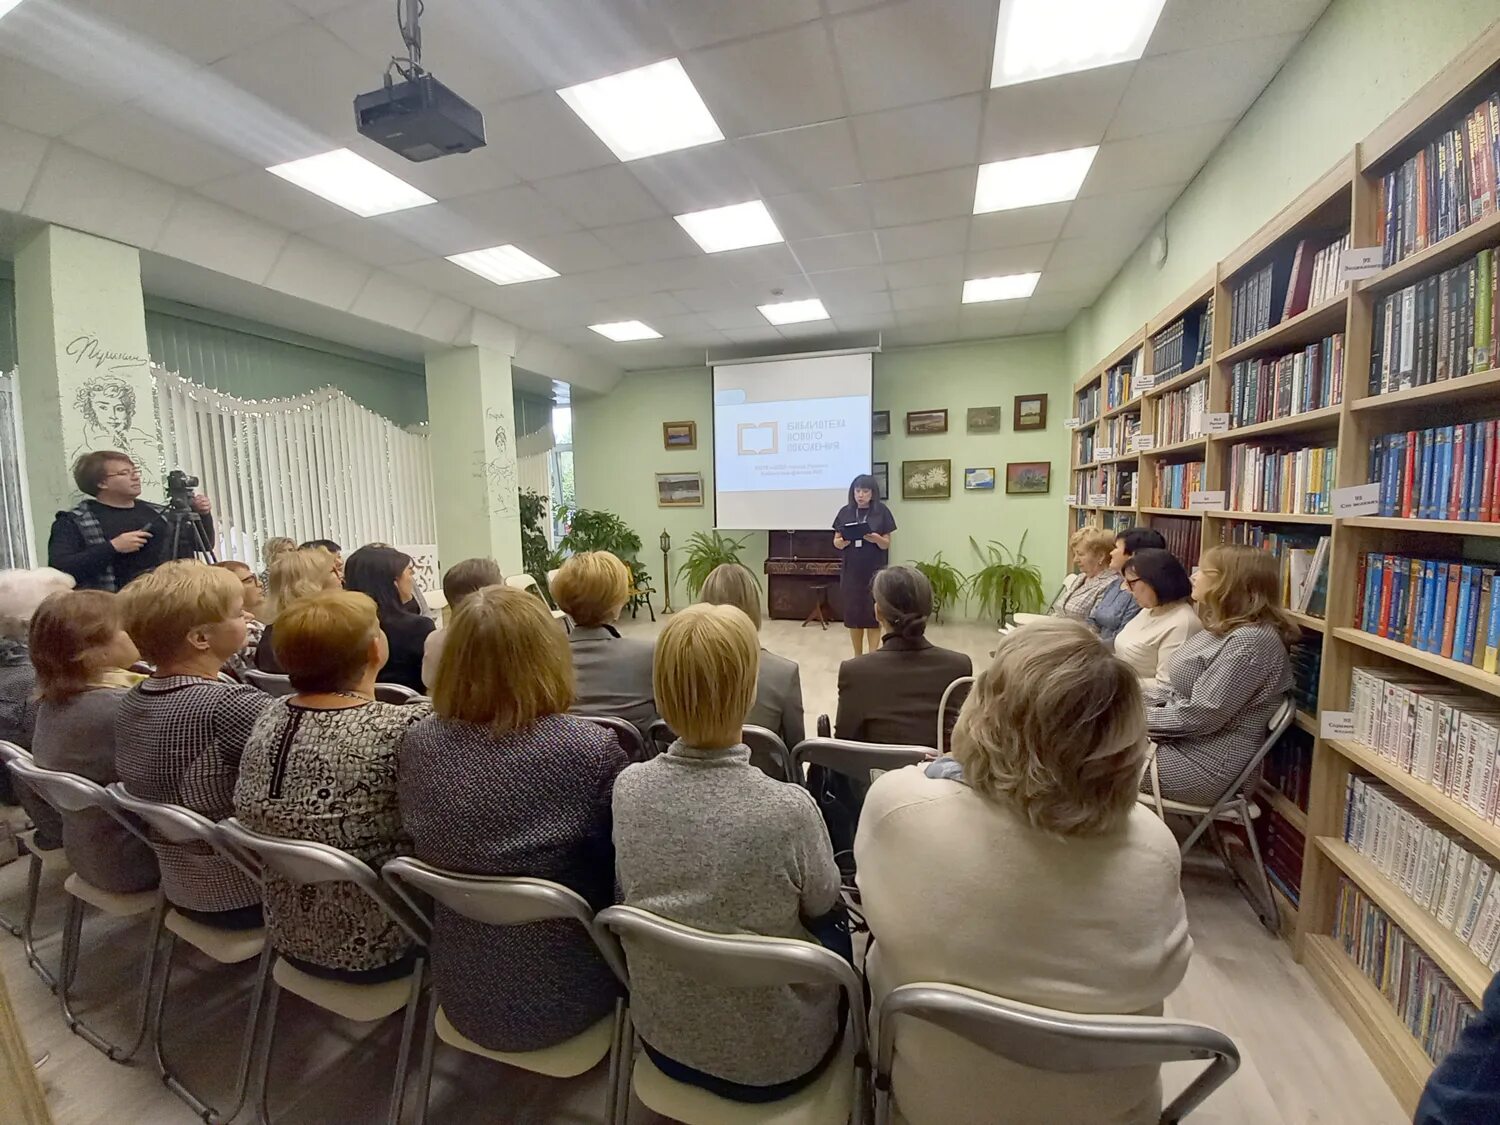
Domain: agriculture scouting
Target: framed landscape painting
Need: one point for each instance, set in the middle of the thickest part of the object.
(1024, 477)
(679, 435)
(979, 480)
(926, 480)
(880, 423)
(882, 474)
(1031, 412)
(927, 422)
(985, 419)
(679, 490)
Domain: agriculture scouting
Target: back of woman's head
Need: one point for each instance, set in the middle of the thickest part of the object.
(703, 674)
(733, 584)
(1242, 586)
(505, 662)
(1140, 538)
(372, 570)
(21, 592)
(71, 632)
(1056, 728)
(468, 577)
(295, 575)
(903, 599)
(162, 606)
(323, 641)
(591, 587)
(1161, 571)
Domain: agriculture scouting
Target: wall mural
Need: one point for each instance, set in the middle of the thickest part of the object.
(500, 469)
(112, 407)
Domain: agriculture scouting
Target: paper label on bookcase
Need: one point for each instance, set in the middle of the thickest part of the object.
(1360, 262)
(1336, 724)
(1356, 500)
(1206, 501)
(1103, 452)
(1142, 383)
(1098, 499)
(1216, 423)
(1143, 443)
(1072, 423)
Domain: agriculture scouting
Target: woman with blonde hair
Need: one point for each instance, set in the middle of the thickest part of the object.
(1089, 550)
(295, 575)
(1028, 841)
(704, 838)
(613, 673)
(501, 781)
(778, 690)
(1209, 714)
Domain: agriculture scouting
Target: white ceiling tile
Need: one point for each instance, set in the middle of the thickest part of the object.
(1186, 24)
(305, 72)
(129, 137)
(1120, 214)
(540, 137)
(1007, 260)
(274, 200)
(388, 299)
(742, 317)
(695, 179)
(922, 138)
(937, 318)
(701, 23)
(914, 51)
(462, 173)
(318, 274)
(76, 189)
(765, 334)
(572, 41)
(864, 279)
(848, 306)
(444, 319)
(201, 30)
(733, 300)
(923, 240)
(923, 335)
(790, 160)
(23, 156)
(445, 277)
(838, 251)
(600, 197)
(1053, 114)
(993, 318)
(650, 241)
(869, 322)
(945, 296)
(31, 98)
(507, 215)
(775, 81)
(1153, 160)
(573, 251)
(812, 214)
(925, 271)
(369, 240)
(754, 264)
(648, 307)
(920, 199)
(1017, 227)
(324, 7)
(805, 334)
(1097, 254)
(220, 238)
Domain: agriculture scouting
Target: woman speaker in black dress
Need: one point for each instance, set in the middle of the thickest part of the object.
(864, 556)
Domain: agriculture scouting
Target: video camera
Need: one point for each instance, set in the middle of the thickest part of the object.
(180, 488)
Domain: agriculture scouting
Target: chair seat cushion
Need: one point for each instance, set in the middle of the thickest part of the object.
(227, 947)
(121, 906)
(362, 1003)
(829, 1099)
(567, 1059)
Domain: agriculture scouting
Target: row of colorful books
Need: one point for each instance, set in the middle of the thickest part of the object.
(1115, 437)
(1273, 478)
(1184, 537)
(1441, 735)
(1439, 606)
(1306, 657)
(1116, 484)
(1434, 867)
(1442, 327)
(1282, 848)
(1083, 446)
(1086, 404)
(1445, 186)
(1279, 387)
(1179, 413)
(1303, 556)
(1183, 344)
(1173, 483)
(1443, 473)
(1288, 283)
(1433, 1008)
(1288, 767)
(1119, 381)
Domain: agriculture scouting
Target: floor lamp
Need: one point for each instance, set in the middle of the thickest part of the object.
(666, 574)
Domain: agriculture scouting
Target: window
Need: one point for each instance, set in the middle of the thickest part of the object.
(563, 489)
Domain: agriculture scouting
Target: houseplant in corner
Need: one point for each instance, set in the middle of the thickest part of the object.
(591, 529)
(948, 583)
(536, 558)
(1005, 584)
(706, 550)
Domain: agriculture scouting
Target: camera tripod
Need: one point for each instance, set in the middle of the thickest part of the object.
(186, 522)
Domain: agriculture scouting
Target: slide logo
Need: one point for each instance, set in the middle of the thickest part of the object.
(756, 439)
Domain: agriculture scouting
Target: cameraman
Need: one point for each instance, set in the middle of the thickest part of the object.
(115, 536)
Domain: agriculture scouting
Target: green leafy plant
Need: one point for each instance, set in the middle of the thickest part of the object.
(1005, 584)
(591, 529)
(948, 583)
(536, 557)
(705, 551)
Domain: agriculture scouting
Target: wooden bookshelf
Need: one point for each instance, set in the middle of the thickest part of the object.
(1294, 331)
(1431, 527)
(1177, 382)
(1325, 418)
(1273, 517)
(1477, 387)
(1440, 666)
(1190, 513)
(1279, 801)
(1308, 621)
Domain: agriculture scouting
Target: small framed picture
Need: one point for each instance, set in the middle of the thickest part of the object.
(926, 480)
(880, 423)
(927, 422)
(679, 490)
(882, 474)
(985, 419)
(679, 435)
(979, 480)
(1032, 477)
(1031, 412)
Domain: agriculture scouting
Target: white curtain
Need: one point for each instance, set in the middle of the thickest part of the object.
(317, 466)
(14, 551)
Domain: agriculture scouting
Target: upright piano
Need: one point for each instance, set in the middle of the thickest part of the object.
(796, 562)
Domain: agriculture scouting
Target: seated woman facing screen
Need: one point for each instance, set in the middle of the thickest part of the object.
(612, 673)
(499, 781)
(1209, 715)
(704, 838)
(320, 765)
(384, 575)
(461, 580)
(21, 592)
(778, 690)
(1116, 606)
(1168, 616)
(1024, 867)
(81, 652)
(1089, 549)
(255, 608)
(295, 574)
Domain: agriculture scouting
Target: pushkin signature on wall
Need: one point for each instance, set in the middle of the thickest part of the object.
(87, 349)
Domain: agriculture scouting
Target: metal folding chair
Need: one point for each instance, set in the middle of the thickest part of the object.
(307, 863)
(964, 683)
(625, 731)
(42, 860)
(511, 901)
(767, 752)
(859, 760)
(272, 683)
(840, 1094)
(1234, 806)
(1062, 1042)
(397, 693)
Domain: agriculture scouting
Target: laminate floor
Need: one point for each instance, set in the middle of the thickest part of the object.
(1301, 1064)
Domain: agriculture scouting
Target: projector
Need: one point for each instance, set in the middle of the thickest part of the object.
(420, 118)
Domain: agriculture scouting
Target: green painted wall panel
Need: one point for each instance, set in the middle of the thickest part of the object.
(7, 324)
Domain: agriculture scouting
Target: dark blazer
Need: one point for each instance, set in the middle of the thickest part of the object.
(613, 675)
(406, 634)
(778, 698)
(892, 695)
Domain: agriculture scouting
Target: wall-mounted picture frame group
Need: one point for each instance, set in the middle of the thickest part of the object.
(985, 419)
(979, 480)
(679, 435)
(1031, 413)
(926, 480)
(880, 423)
(679, 490)
(1028, 477)
(926, 422)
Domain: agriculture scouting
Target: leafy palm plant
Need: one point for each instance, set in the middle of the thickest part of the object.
(1006, 583)
(591, 529)
(947, 581)
(705, 551)
(536, 557)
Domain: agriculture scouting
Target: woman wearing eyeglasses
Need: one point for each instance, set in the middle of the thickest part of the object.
(1167, 618)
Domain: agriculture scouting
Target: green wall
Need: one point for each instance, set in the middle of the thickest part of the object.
(1358, 64)
(617, 451)
(7, 324)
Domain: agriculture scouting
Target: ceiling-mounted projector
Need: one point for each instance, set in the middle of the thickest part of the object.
(418, 117)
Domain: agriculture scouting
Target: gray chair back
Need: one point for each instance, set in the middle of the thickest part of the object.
(397, 693)
(659, 737)
(65, 792)
(964, 683)
(854, 759)
(272, 683)
(10, 752)
(767, 752)
(1062, 1042)
(178, 825)
(625, 731)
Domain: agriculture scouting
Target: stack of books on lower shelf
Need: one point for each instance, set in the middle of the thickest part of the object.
(1288, 767)
(1114, 484)
(1302, 555)
(1445, 607)
(1281, 847)
(1273, 478)
(1174, 483)
(1114, 437)
(1442, 473)
(1179, 413)
(1184, 536)
(1442, 327)
(1281, 386)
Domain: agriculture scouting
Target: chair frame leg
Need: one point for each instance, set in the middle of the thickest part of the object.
(408, 1029)
(268, 1044)
(429, 1047)
(1270, 917)
(28, 922)
(72, 929)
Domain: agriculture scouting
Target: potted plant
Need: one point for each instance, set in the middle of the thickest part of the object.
(1006, 584)
(536, 557)
(705, 551)
(948, 583)
(591, 529)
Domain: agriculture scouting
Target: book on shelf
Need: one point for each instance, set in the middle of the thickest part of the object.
(1274, 478)
(1179, 413)
(1302, 557)
(1086, 404)
(1117, 434)
(1282, 847)
(1115, 483)
(1174, 483)
(1183, 344)
(1306, 657)
(1291, 280)
(1441, 327)
(1119, 381)
(1285, 385)
(1118, 521)
(1445, 186)
(1288, 767)
(1442, 473)
(1083, 446)
(1433, 1008)
(1440, 606)
(1184, 536)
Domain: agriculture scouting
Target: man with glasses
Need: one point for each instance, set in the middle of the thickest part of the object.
(114, 536)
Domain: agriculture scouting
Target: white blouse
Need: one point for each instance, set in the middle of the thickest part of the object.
(1151, 637)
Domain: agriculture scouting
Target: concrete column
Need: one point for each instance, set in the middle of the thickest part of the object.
(473, 441)
(85, 379)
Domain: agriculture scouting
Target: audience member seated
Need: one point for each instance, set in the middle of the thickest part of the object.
(1464, 1087)
(1164, 592)
(180, 733)
(21, 592)
(778, 690)
(255, 605)
(704, 838)
(321, 766)
(275, 547)
(462, 579)
(384, 575)
(81, 652)
(1022, 866)
(295, 575)
(613, 672)
(500, 781)
(331, 547)
(1115, 606)
(1089, 549)
(1209, 715)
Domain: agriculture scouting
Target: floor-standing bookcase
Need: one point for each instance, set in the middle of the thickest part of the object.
(1349, 201)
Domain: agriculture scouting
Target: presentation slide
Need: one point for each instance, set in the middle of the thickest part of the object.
(789, 436)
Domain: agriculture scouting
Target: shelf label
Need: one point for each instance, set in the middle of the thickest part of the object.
(1216, 423)
(1212, 501)
(1098, 499)
(1143, 383)
(1360, 262)
(1356, 500)
(1103, 452)
(1071, 423)
(1143, 443)
(1336, 724)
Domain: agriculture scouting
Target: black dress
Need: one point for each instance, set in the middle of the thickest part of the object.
(862, 561)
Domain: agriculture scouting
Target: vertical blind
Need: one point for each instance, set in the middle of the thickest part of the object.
(13, 511)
